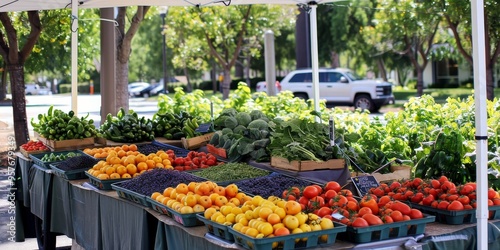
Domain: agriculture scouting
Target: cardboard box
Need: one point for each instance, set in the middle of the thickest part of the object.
(283, 163)
(196, 142)
(397, 173)
(66, 144)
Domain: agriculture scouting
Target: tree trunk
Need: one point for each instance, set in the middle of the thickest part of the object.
(490, 85)
(121, 95)
(226, 83)
(334, 57)
(189, 86)
(17, 87)
(381, 69)
(420, 81)
(3, 85)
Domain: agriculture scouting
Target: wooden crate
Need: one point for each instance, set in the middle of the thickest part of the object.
(66, 144)
(28, 153)
(196, 142)
(280, 162)
(397, 173)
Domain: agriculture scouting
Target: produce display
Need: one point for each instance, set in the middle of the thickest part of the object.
(231, 172)
(298, 139)
(193, 160)
(270, 185)
(174, 126)
(104, 151)
(34, 146)
(58, 125)
(77, 162)
(157, 180)
(127, 127)
(197, 197)
(439, 193)
(263, 218)
(243, 135)
(129, 164)
(52, 157)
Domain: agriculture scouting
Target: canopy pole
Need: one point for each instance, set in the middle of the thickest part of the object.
(314, 56)
(477, 14)
(270, 62)
(74, 56)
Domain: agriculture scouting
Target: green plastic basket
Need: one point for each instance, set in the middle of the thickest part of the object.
(74, 174)
(386, 231)
(129, 194)
(102, 184)
(37, 158)
(216, 229)
(455, 217)
(313, 239)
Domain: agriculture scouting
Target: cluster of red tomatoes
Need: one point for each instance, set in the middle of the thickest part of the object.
(338, 204)
(193, 160)
(437, 193)
(34, 146)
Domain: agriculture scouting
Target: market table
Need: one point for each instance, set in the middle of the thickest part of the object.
(98, 219)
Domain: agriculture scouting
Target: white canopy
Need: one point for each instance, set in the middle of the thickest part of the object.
(477, 13)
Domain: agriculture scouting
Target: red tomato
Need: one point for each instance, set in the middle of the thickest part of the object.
(339, 201)
(379, 192)
(427, 200)
(346, 192)
(464, 199)
(324, 211)
(316, 203)
(402, 207)
(369, 201)
(360, 222)
(211, 162)
(444, 205)
(310, 192)
(387, 219)
(396, 215)
(452, 197)
(416, 214)
(417, 197)
(333, 185)
(492, 193)
(179, 161)
(447, 185)
(383, 200)
(395, 185)
(442, 179)
(352, 206)
(466, 189)
(303, 200)
(330, 194)
(435, 184)
(364, 210)
(455, 206)
(372, 219)
(417, 182)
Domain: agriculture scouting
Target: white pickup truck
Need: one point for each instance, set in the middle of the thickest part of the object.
(340, 87)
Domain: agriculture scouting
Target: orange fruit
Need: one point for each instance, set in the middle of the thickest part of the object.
(125, 147)
(140, 158)
(132, 147)
(126, 175)
(121, 153)
(155, 194)
(103, 176)
(115, 176)
(131, 169)
(150, 163)
(110, 170)
(121, 170)
(159, 165)
(142, 166)
(182, 188)
(167, 191)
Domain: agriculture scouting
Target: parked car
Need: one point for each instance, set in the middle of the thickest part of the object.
(340, 87)
(146, 91)
(136, 87)
(262, 86)
(160, 87)
(35, 89)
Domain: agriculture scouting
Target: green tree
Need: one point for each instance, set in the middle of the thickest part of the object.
(409, 28)
(340, 24)
(224, 30)
(125, 32)
(16, 43)
(457, 14)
